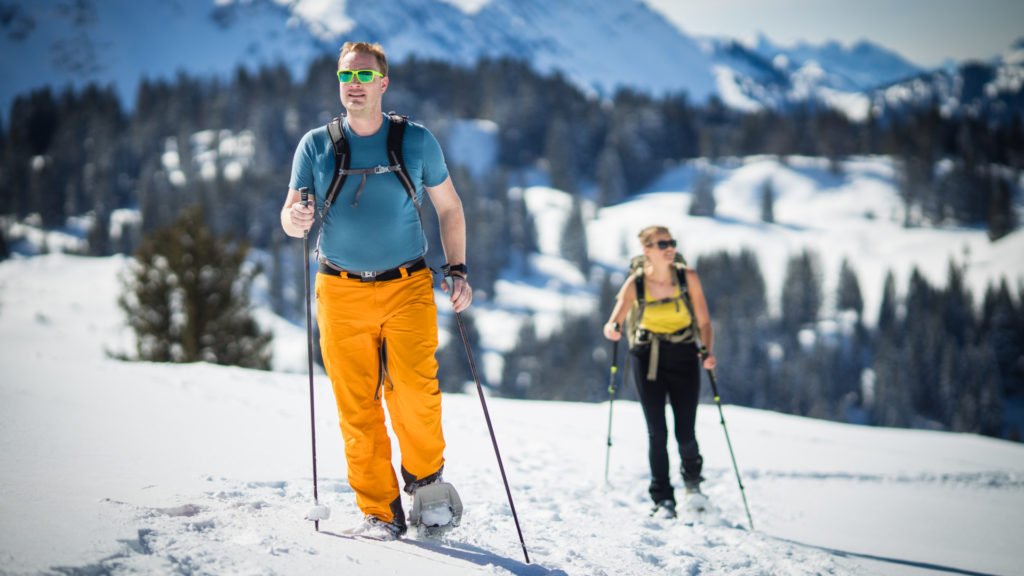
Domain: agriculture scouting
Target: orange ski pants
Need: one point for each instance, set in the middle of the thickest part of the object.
(356, 320)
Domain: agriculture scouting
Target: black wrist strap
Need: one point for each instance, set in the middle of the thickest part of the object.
(457, 269)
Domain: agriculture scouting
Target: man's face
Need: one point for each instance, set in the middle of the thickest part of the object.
(356, 96)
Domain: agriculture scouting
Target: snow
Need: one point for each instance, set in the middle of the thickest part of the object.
(468, 6)
(327, 19)
(731, 93)
(137, 468)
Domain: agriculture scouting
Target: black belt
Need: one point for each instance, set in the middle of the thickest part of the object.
(381, 276)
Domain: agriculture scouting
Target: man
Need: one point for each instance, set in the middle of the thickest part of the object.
(375, 299)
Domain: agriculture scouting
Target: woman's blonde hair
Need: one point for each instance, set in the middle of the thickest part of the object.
(374, 49)
(647, 234)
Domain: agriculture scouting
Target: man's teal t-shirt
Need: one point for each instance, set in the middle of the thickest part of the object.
(383, 230)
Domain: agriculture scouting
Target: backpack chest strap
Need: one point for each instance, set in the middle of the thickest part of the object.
(342, 157)
(364, 172)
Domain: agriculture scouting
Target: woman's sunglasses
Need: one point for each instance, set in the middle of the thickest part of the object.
(663, 244)
(363, 76)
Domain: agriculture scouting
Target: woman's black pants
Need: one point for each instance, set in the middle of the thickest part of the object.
(678, 381)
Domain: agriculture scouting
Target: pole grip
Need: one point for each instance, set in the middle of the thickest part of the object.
(304, 199)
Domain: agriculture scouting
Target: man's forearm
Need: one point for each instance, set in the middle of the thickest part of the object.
(453, 235)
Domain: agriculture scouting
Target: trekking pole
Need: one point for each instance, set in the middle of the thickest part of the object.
(487, 417)
(611, 400)
(702, 351)
(318, 512)
(728, 442)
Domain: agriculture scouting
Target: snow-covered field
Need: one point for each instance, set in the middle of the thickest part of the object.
(109, 467)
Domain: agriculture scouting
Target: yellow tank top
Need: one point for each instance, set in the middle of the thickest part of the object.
(665, 316)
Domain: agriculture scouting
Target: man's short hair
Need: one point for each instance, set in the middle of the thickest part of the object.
(374, 49)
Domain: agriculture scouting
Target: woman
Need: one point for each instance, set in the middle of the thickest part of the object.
(666, 357)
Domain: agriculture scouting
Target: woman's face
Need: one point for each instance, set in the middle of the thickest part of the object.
(661, 248)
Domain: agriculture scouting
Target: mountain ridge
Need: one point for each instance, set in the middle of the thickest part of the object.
(582, 39)
(601, 47)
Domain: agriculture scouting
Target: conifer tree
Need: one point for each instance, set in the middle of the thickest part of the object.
(801, 291)
(1001, 215)
(5, 250)
(558, 150)
(703, 203)
(956, 306)
(768, 201)
(574, 238)
(611, 178)
(569, 356)
(887, 310)
(849, 297)
(522, 368)
(1002, 324)
(186, 296)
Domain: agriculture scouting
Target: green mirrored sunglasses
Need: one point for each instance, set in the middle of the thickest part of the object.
(363, 76)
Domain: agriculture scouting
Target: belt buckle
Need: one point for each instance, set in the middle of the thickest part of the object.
(381, 169)
(367, 276)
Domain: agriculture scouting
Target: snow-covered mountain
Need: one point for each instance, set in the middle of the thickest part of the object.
(600, 45)
(860, 67)
(994, 88)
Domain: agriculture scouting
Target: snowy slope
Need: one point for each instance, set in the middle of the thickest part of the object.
(121, 42)
(135, 468)
(584, 39)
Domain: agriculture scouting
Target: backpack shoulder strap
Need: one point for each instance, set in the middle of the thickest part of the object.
(636, 311)
(396, 135)
(681, 276)
(684, 293)
(638, 281)
(342, 158)
(337, 134)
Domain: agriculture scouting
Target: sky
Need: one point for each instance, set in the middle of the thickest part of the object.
(926, 32)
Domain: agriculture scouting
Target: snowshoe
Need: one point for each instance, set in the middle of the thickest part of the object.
(376, 529)
(665, 509)
(695, 500)
(695, 505)
(436, 508)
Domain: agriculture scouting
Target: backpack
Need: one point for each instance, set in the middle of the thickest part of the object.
(343, 158)
(636, 336)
